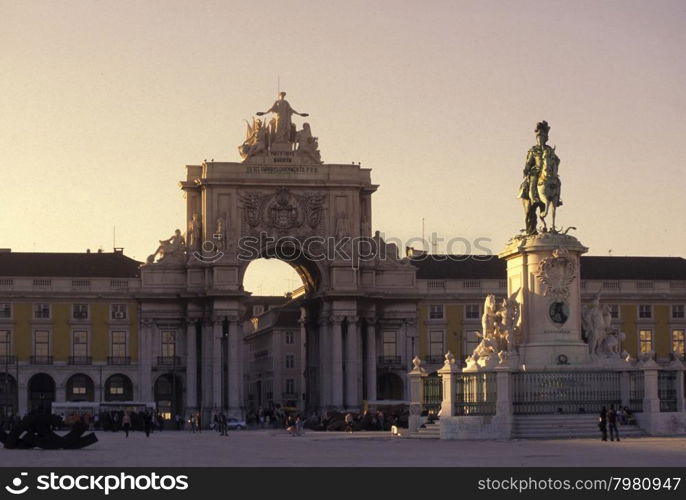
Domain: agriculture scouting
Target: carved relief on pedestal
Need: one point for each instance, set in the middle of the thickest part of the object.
(557, 272)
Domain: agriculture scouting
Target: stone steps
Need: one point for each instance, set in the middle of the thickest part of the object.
(564, 427)
(429, 431)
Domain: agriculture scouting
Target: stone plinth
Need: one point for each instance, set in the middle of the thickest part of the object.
(544, 269)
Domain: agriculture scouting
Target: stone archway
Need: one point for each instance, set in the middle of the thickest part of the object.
(169, 395)
(280, 196)
(41, 389)
(80, 387)
(118, 387)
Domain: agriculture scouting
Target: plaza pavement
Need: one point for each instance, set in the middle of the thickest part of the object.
(264, 448)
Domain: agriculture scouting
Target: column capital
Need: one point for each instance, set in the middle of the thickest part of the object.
(336, 318)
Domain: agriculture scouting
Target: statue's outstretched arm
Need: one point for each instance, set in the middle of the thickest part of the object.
(270, 110)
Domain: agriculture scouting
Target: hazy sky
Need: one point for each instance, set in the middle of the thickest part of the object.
(103, 103)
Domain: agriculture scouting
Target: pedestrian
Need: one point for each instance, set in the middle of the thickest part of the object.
(612, 421)
(222, 425)
(147, 423)
(299, 426)
(126, 423)
(348, 422)
(602, 423)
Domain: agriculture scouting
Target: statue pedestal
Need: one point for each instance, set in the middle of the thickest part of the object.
(545, 269)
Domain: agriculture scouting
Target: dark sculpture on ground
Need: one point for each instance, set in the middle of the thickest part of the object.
(35, 431)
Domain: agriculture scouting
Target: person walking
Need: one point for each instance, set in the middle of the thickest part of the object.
(126, 423)
(349, 422)
(147, 423)
(602, 423)
(222, 425)
(612, 421)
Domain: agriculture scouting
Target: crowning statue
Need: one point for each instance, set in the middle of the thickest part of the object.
(279, 135)
(284, 129)
(540, 190)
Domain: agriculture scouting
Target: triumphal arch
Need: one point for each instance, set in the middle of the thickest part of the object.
(279, 201)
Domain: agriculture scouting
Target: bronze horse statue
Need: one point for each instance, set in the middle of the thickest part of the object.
(548, 187)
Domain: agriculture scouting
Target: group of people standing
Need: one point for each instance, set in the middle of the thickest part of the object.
(608, 420)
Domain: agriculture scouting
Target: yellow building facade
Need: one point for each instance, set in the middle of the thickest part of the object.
(68, 329)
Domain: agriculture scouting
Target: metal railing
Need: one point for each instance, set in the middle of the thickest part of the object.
(434, 360)
(666, 390)
(41, 360)
(80, 360)
(565, 392)
(395, 361)
(476, 394)
(169, 360)
(433, 394)
(118, 360)
(636, 391)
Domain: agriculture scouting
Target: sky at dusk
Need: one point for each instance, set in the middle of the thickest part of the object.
(102, 104)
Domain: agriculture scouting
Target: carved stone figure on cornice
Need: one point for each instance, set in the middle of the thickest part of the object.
(307, 145)
(171, 251)
(195, 233)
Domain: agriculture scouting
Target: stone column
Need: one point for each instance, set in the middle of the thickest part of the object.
(625, 388)
(371, 360)
(216, 364)
(680, 396)
(503, 405)
(206, 387)
(234, 378)
(23, 397)
(144, 362)
(416, 385)
(351, 365)
(336, 367)
(447, 374)
(651, 400)
(324, 365)
(191, 368)
(303, 359)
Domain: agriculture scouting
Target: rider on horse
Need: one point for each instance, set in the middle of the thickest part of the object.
(532, 192)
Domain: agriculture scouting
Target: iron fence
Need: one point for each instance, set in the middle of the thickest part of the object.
(476, 394)
(666, 390)
(433, 394)
(565, 392)
(636, 388)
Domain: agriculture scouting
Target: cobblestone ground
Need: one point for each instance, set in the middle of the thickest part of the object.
(261, 448)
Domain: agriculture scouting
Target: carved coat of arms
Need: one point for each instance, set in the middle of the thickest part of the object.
(281, 212)
(557, 272)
